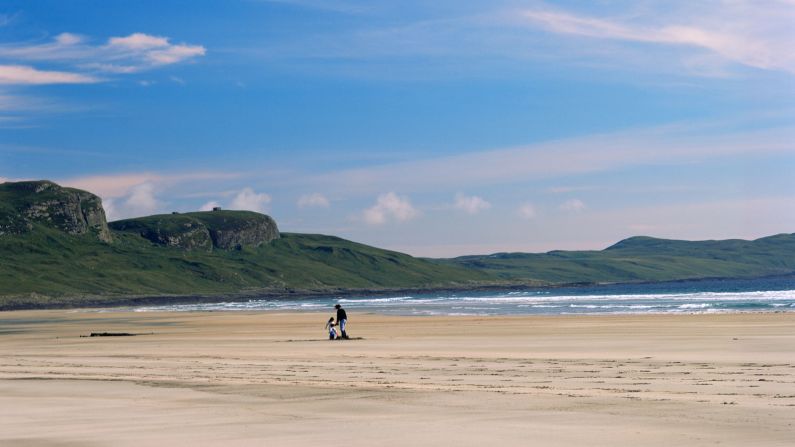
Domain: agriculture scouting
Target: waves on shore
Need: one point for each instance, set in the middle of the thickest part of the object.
(760, 295)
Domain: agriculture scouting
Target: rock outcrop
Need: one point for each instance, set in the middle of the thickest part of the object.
(225, 230)
(25, 204)
(169, 230)
(235, 233)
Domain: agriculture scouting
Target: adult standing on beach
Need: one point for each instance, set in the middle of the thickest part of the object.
(342, 321)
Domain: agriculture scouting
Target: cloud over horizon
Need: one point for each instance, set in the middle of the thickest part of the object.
(140, 201)
(470, 204)
(314, 199)
(573, 205)
(388, 207)
(249, 200)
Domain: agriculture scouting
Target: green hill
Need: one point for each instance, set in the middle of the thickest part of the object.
(47, 262)
(644, 259)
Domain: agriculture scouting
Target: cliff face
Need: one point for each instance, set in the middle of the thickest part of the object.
(23, 204)
(233, 233)
(168, 230)
(225, 230)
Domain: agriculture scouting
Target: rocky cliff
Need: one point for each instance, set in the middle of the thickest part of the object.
(26, 204)
(226, 230)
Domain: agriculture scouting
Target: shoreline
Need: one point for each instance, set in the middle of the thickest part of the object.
(20, 303)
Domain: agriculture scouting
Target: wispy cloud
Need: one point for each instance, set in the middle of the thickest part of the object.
(696, 38)
(314, 199)
(573, 205)
(25, 75)
(128, 54)
(17, 107)
(598, 153)
(755, 34)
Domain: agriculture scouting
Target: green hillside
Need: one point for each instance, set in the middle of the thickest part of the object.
(643, 259)
(48, 262)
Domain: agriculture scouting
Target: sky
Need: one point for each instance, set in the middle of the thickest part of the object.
(439, 128)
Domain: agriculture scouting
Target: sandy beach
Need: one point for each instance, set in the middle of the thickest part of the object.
(246, 379)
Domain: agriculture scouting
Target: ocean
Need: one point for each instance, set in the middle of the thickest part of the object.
(702, 296)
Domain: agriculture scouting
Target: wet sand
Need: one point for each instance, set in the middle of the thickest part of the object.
(253, 379)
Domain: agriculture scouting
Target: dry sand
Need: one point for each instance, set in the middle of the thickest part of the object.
(264, 379)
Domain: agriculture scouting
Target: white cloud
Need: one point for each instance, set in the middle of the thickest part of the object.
(313, 200)
(120, 55)
(25, 75)
(139, 200)
(390, 205)
(175, 53)
(470, 204)
(111, 213)
(573, 205)
(209, 206)
(527, 211)
(155, 49)
(142, 200)
(249, 200)
(138, 42)
(68, 39)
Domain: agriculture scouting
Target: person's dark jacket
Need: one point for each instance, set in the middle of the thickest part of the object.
(341, 315)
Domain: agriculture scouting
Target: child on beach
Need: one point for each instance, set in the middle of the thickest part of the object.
(332, 333)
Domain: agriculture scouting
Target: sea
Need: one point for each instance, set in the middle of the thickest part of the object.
(702, 296)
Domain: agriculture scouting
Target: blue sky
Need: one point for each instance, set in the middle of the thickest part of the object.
(436, 128)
